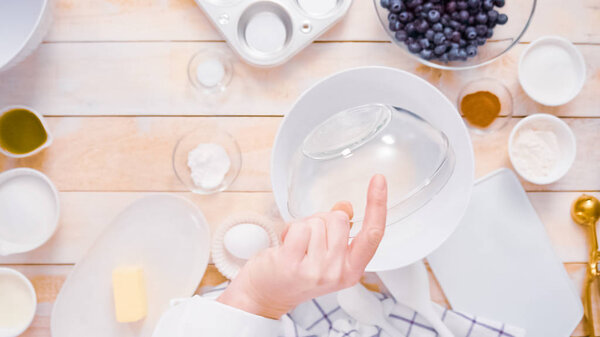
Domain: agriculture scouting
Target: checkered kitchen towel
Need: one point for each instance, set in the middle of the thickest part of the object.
(323, 317)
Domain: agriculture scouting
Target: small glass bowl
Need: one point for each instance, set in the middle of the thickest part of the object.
(202, 136)
(217, 69)
(497, 88)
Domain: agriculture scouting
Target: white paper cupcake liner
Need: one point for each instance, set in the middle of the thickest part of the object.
(226, 263)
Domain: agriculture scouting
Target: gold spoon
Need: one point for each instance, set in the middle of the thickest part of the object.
(586, 212)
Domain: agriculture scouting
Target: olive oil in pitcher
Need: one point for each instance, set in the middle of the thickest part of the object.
(21, 131)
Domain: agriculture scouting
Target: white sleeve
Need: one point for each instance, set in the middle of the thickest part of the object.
(199, 316)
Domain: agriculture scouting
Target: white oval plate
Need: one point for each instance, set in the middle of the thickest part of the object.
(425, 230)
(167, 236)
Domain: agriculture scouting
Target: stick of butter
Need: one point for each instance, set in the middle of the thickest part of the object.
(129, 288)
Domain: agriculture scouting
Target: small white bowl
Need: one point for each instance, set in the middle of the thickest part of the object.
(566, 142)
(38, 209)
(46, 144)
(533, 75)
(14, 332)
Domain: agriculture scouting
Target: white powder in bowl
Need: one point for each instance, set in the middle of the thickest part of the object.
(209, 163)
(535, 152)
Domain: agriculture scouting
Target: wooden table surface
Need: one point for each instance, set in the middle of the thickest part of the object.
(111, 79)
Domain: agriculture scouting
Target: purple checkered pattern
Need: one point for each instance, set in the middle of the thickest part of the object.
(323, 317)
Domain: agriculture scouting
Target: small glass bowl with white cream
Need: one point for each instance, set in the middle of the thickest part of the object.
(18, 303)
(207, 160)
(542, 148)
(210, 72)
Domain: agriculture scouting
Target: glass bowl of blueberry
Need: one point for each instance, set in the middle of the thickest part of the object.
(455, 34)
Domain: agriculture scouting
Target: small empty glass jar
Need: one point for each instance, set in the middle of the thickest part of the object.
(210, 72)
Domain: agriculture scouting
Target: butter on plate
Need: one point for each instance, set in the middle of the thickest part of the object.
(129, 289)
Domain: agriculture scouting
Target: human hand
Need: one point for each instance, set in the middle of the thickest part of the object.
(313, 260)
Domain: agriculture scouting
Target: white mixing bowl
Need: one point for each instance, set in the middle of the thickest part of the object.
(23, 25)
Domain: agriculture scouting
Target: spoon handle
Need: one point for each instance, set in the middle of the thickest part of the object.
(587, 303)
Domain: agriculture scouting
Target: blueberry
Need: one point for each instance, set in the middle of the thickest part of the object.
(471, 33)
(455, 16)
(396, 26)
(455, 37)
(488, 5)
(403, 17)
(474, 3)
(422, 26)
(448, 32)
(396, 6)
(429, 34)
(499, 3)
(428, 6)
(464, 15)
(443, 58)
(425, 44)
(462, 54)
(385, 3)
(410, 28)
(417, 10)
(462, 5)
(401, 35)
(481, 30)
(451, 7)
(480, 41)
(492, 17)
(437, 27)
(462, 43)
(454, 25)
(489, 33)
(502, 19)
(414, 47)
(412, 4)
(439, 50)
(409, 40)
(445, 19)
(471, 20)
(471, 50)
(454, 45)
(433, 16)
(439, 38)
(392, 17)
(426, 54)
(481, 18)
(453, 54)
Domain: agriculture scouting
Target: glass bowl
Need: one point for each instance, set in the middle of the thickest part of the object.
(338, 158)
(519, 12)
(210, 72)
(199, 136)
(499, 90)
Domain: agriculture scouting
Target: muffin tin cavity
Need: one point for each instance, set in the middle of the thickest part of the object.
(267, 33)
(265, 29)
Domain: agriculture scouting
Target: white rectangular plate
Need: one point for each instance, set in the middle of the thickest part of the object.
(500, 264)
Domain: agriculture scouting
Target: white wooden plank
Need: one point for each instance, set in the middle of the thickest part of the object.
(86, 214)
(134, 153)
(122, 20)
(151, 79)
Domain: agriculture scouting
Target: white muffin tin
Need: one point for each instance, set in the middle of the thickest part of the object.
(267, 33)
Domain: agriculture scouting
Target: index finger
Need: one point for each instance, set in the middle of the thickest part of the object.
(365, 244)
